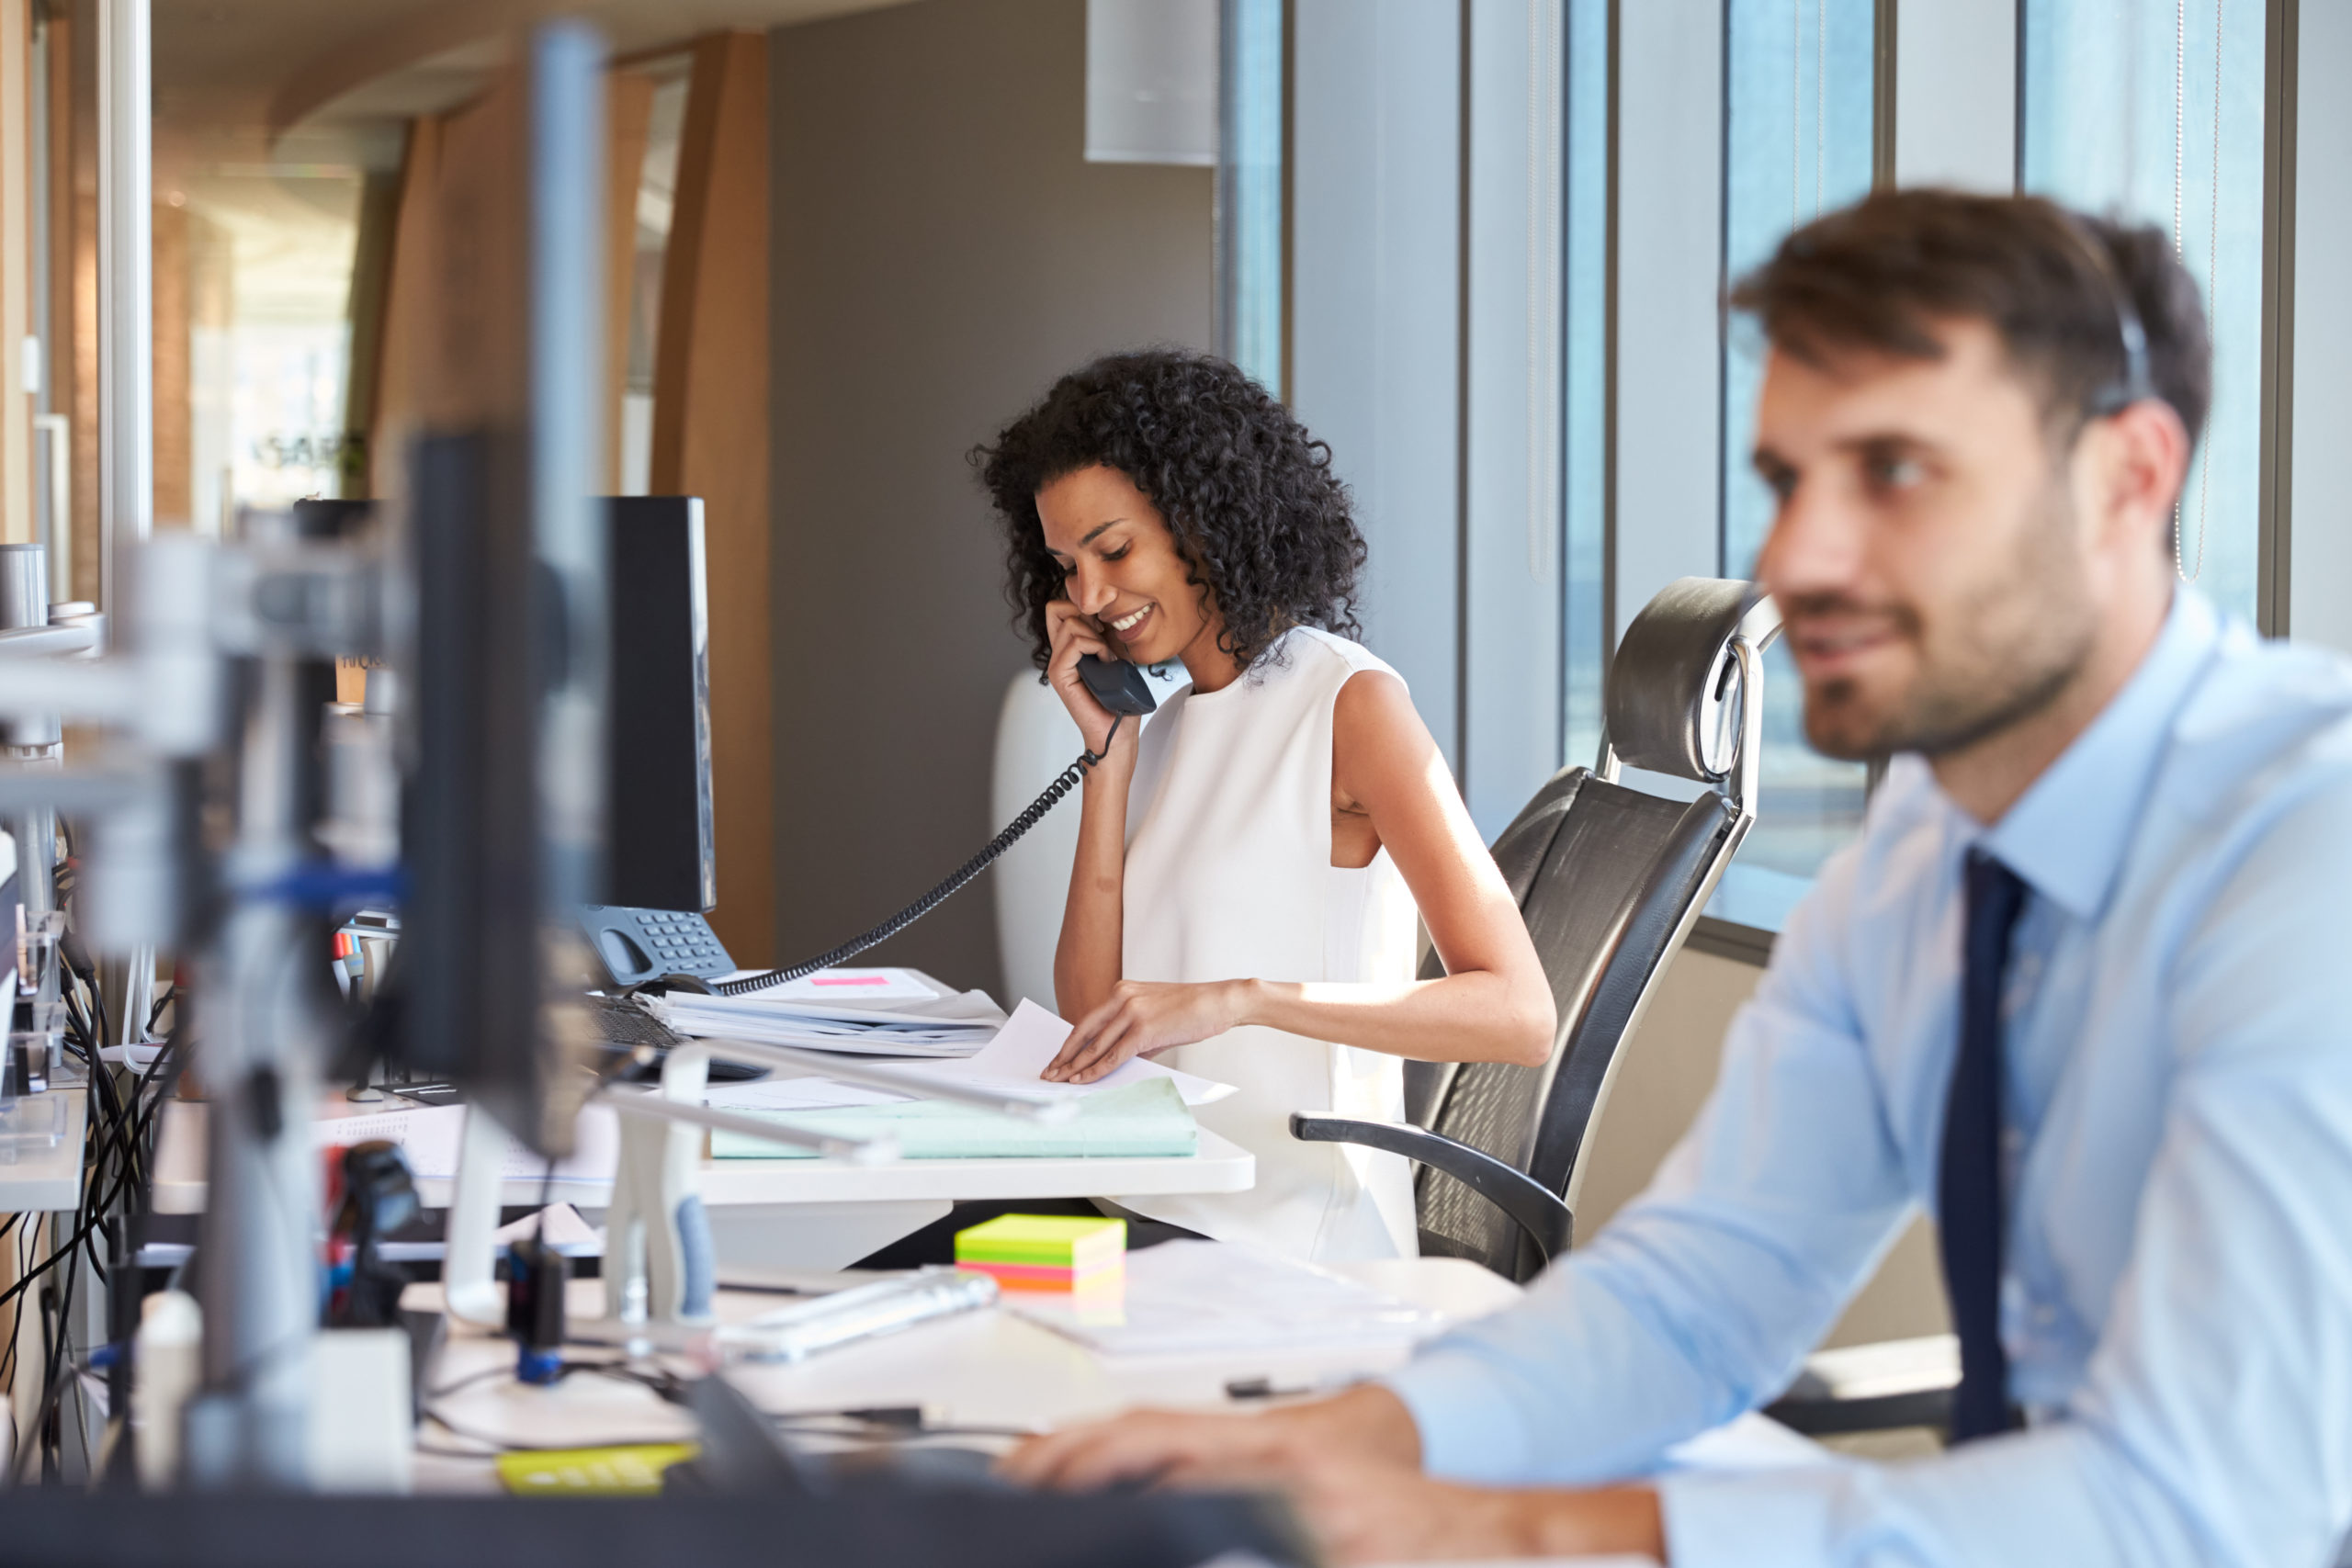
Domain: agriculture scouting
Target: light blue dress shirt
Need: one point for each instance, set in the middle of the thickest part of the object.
(2177, 1296)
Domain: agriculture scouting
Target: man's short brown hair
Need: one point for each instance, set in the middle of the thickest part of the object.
(2051, 283)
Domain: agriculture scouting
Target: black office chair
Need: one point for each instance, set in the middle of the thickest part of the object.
(1610, 880)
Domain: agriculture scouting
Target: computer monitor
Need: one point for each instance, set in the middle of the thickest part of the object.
(503, 693)
(660, 849)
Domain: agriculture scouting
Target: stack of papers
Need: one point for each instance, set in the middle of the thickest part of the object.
(1012, 1059)
(1142, 1109)
(1139, 1120)
(865, 1012)
(1215, 1297)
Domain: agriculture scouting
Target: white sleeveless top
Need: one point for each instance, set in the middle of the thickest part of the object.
(1229, 876)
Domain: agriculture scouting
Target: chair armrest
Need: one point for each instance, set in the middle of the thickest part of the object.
(1528, 1203)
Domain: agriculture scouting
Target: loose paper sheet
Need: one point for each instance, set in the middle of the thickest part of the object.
(1029, 1042)
(430, 1135)
(1215, 1297)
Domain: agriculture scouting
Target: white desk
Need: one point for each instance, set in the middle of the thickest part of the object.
(983, 1369)
(50, 1179)
(774, 1215)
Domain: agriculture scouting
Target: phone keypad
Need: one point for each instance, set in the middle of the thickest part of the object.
(674, 941)
(681, 944)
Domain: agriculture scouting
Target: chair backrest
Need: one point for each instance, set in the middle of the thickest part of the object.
(1610, 880)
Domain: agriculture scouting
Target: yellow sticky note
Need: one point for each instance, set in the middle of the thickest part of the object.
(632, 1472)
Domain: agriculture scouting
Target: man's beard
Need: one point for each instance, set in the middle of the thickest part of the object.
(2011, 648)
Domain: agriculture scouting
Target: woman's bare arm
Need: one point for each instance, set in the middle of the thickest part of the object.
(1087, 958)
(1494, 1004)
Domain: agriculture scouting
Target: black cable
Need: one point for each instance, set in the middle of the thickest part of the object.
(59, 1254)
(95, 1009)
(500, 1446)
(59, 1364)
(488, 1374)
(1066, 781)
(106, 1197)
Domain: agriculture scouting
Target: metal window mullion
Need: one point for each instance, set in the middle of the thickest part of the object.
(2274, 550)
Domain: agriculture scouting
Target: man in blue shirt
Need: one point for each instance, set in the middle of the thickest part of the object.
(2080, 992)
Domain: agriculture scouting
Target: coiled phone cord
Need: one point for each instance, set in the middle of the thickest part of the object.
(1062, 785)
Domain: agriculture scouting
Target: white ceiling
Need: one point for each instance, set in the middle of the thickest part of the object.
(314, 81)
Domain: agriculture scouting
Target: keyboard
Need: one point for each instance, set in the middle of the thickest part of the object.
(624, 1023)
(625, 1026)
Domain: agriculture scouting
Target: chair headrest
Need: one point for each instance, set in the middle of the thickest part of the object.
(1674, 693)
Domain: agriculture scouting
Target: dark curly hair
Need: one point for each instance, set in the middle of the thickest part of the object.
(1258, 517)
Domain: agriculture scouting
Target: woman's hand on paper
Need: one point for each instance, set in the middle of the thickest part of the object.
(1143, 1017)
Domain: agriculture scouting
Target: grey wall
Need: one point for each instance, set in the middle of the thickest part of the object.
(942, 251)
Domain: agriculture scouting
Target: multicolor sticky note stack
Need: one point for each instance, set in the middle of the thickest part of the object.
(1047, 1252)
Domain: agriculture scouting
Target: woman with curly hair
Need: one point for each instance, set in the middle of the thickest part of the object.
(1249, 865)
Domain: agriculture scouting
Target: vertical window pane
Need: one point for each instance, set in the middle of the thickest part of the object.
(1797, 140)
(1585, 621)
(2123, 102)
(1250, 190)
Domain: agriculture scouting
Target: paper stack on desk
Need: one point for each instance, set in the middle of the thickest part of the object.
(1142, 1109)
(1140, 1119)
(896, 1016)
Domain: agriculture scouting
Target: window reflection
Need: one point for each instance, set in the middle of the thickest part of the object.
(2154, 113)
(1797, 143)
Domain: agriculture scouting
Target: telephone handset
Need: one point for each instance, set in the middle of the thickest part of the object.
(1118, 686)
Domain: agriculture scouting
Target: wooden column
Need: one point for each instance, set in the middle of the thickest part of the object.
(408, 307)
(371, 272)
(628, 122)
(710, 439)
(175, 415)
(74, 270)
(16, 270)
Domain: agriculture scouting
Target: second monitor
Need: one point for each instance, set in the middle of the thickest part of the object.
(660, 845)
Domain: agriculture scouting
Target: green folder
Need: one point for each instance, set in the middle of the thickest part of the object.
(1148, 1118)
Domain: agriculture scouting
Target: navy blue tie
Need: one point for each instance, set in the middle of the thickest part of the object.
(1968, 1191)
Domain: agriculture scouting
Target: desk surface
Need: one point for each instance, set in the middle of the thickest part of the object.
(50, 1179)
(985, 1368)
(1215, 1165)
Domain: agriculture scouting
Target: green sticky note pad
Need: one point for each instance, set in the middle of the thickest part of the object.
(1050, 1241)
(631, 1471)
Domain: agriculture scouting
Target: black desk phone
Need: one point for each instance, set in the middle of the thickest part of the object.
(637, 946)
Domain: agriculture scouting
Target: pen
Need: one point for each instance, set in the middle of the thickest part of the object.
(1265, 1388)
